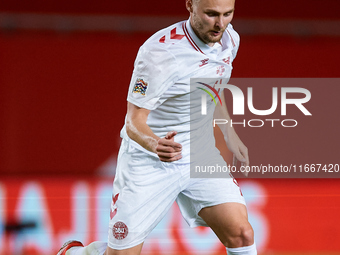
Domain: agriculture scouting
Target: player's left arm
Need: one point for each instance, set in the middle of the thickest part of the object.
(234, 143)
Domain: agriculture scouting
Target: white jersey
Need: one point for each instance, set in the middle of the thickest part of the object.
(145, 187)
(161, 78)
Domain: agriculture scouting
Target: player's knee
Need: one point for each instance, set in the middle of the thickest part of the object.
(248, 236)
(242, 236)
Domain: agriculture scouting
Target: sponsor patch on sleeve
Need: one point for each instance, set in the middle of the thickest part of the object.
(140, 87)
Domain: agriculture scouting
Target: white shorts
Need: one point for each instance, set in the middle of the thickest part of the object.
(145, 188)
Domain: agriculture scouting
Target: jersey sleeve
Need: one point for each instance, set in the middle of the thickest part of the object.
(155, 70)
(235, 37)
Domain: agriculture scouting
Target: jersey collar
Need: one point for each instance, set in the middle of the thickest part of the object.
(195, 41)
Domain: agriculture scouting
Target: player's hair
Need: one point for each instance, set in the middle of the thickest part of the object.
(195, 1)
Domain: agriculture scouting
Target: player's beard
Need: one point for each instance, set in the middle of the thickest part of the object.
(206, 36)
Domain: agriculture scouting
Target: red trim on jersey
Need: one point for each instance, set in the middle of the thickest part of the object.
(174, 35)
(113, 213)
(192, 42)
(232, 40)
(114, 200)
(162, 40)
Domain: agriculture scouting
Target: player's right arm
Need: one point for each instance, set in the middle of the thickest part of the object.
(139, 131)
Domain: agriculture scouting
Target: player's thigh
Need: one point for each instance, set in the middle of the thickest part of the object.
(136, 250)
(207, 192)
(219, 204)
(230, 223)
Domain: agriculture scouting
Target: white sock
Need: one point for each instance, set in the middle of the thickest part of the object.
(246, 250)
(95, 248)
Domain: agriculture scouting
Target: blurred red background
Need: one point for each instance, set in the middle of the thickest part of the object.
(63, 99)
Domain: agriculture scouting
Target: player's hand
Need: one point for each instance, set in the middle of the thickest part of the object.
(240, 151)
(167, 149)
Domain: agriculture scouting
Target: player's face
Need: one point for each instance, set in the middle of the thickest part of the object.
(209, 18)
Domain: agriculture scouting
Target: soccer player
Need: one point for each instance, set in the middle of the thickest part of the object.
(153, 168)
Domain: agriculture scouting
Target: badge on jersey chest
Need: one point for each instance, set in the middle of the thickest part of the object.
(226, 60)
(140, 87)
(220, 70)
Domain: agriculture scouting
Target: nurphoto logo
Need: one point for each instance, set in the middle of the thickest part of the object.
(239, 101)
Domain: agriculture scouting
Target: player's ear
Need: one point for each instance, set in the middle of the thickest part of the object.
(188, 4)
